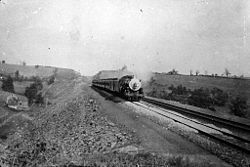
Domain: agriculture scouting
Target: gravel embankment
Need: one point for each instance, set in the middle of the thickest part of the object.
(63, 132)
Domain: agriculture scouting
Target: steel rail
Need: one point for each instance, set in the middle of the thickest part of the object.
(214, 128)
(234, 124)
(243, 149)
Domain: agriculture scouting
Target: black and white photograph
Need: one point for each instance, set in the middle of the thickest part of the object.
(124, 83)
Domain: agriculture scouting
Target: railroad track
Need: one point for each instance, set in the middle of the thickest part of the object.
(242, 144)
(218, 134)
(223, 121)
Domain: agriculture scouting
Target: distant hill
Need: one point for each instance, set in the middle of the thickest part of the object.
(38, 70)
(26, 71)
(66, 74)
(233, 86)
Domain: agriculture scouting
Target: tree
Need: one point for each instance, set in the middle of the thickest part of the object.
(51, 80)
(191, 72)
(39, 99)
(173, 72)
(200, 97)
(8, 85)
(32, 92)
(227, 73)
(238, 106)
(17, 75)
(197, 72)
(218, 97)
(179, 90)
(38, 83)
(3, 61)
(171, 87)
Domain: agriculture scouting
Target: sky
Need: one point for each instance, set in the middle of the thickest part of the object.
(145, 35)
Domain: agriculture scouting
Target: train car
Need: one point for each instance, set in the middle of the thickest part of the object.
(127, 86)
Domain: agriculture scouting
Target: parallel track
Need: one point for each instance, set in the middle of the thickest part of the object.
(163, 106)
(223, 121)
(238, 143)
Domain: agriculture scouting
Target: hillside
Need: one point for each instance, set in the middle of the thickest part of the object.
(26, 71)
(230, 85)
(40, 71)
(4, 95)
(161, 82)
(20, 85)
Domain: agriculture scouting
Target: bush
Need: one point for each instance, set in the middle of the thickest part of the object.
(200, 98)
(153, 93)
(151, 81)
(8, 85)
(51, 80)
(38, 83)
(179, 90)
(32, 92)
(162, 94)
(39, 99)
(238, 106)
(17, 75)
(218, 97)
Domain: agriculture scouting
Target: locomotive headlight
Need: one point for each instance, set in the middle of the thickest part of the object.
(134, 84)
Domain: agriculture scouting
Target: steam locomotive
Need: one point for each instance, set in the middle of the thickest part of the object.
(127, 86)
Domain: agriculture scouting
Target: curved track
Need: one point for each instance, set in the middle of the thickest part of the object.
(218, 134)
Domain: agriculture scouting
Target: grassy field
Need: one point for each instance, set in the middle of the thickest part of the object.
(4, 95)
(231, 86)
(30, 71)
(19, 87)
(27, 71)
(40, 71)
(66, 74)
